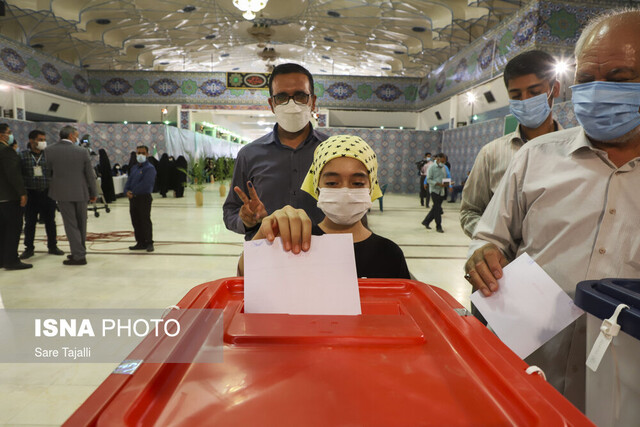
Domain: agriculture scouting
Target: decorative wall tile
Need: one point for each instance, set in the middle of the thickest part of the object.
(397, 151)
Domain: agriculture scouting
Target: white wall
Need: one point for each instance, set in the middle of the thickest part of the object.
(39, 102)
(369, 119)
(132, 112)
(462, 109)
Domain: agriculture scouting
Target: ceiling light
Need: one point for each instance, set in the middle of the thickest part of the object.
(471, 97)
(103, 21)
(250, 7)
(561, 67)
(125, 122)
(381, 127)
(401, 127)
(435, 128)
(148, 122)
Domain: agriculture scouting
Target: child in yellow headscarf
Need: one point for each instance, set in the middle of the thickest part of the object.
(344, 179)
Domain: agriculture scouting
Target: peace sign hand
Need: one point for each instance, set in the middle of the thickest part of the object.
(253, 210)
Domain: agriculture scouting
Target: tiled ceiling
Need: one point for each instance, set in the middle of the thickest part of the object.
(342, 37)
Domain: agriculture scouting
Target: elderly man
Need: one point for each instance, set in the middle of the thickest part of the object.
(268, 172)
(568, 198)
(530, 79)
(72, 185)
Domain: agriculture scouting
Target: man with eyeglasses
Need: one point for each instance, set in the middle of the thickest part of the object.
(269, 171)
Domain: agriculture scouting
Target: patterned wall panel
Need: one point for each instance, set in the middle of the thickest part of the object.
(552, 26)
(462, 144)
(118, 140)
(564, 114)
(397, 151)
(23, 65)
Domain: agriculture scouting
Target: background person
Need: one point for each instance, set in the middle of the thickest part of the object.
(436, 173)
(36, 181)
(530, 79)
(13, 197)
(72, 186)
(138, 190)
(269, 171)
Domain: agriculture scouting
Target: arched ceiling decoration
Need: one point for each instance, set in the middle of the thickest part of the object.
(343, 37)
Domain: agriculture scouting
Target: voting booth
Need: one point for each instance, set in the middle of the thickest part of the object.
(613, 388)
(413, 357)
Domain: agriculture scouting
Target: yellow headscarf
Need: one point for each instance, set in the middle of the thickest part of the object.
(342, 146)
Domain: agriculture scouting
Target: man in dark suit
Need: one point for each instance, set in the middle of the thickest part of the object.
(73, 185)
(13, 197)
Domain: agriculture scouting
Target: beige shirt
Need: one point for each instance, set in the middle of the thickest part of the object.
(572, 210)
(485, 175)
(489, 167)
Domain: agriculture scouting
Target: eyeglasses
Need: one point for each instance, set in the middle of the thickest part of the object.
(299, 98)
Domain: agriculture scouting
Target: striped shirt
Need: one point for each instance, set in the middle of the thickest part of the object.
(30, 161)
(489, 167)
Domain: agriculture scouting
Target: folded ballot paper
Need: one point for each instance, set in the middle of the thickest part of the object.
(322, 280)
(529, 307)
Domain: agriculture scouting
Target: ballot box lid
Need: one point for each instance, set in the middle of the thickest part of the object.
(414, 357)
(601, 297)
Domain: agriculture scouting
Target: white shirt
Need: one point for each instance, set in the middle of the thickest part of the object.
(572, 210)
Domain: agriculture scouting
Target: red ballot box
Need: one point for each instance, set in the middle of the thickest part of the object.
(414, 357)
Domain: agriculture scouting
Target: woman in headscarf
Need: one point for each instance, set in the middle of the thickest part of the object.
(104, 168)
(344, 179)
(162, 176)
(181, 163)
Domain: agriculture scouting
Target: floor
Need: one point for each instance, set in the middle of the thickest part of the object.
(192, 247)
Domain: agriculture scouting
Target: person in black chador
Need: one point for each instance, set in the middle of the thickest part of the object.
(132, 160)
(181, 163)
(154, 162)
(104, 168)
(172, 175)
(162, 176)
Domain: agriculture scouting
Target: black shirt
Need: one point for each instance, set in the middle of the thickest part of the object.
(377, 257)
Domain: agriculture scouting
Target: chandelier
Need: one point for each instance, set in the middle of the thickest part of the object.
(250, 7)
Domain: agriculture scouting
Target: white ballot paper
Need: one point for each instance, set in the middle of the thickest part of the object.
(322, 280)
(529, 308)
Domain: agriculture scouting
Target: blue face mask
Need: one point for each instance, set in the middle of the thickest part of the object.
(606, 110)
(531, 112)
(10, 140)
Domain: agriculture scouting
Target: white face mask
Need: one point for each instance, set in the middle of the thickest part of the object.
(292, 117)
(141, 158)
(41, 145)
(344, 206)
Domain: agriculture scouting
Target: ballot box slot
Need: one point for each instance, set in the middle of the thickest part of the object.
(381, 322)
